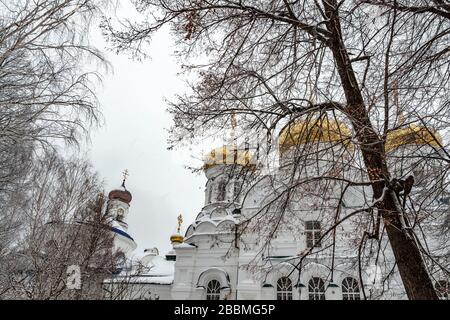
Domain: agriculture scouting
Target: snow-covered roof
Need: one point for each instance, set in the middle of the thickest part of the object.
(121, 232)
(161, 266)
(118, 229)
(167, 280)
(158, 271)
(183, 245)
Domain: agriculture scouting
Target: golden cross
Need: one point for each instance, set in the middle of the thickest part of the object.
(180, 221)
(126, 174)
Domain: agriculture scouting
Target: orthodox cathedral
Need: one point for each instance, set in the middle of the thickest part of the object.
(285, 234)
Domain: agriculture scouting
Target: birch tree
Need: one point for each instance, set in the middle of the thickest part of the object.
(62, 223)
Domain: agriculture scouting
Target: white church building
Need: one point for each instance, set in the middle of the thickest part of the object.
(255, 239)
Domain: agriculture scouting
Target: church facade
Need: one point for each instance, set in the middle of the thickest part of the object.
(261, 236)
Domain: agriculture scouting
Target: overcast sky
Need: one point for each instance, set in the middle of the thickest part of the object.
(134, 137)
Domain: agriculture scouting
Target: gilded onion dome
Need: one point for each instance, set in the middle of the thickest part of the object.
(318, 130)
(413, 135)
(177, 238)
(228, 155)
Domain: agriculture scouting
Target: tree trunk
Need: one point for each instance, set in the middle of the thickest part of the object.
(415, 277)
(413, 272)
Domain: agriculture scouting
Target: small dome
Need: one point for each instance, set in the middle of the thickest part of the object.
(319, 130)
(176, 238)
(228, 155)
(122, 195)
(413, 135)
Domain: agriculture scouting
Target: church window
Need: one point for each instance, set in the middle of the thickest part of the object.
(350, 289)
(316, 288)
(213, 290)
(284, 289)
(120, 214)
(313, 234)
(443, 290)
(222, 191)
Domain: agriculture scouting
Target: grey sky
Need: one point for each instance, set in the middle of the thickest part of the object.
(134, 137)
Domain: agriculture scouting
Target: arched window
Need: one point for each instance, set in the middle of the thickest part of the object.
(213, 290)
(284, 289)
(443, 289)
(316, 288)
(221, 192)
(350, 289)
(313, 234)
(120, 214)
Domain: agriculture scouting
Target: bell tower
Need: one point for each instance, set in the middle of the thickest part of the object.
(117, 212)
(119, 203)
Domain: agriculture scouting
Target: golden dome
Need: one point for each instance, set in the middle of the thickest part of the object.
(317, 130)
(228, 155)
(176, 238)
(413, 134)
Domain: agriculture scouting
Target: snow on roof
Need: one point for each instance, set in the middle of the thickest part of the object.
(122, 233)
(115, 224)
(164, 280)
(160, 266)
(167, 280)
(183, 245)
(137, 255)
(216, 221)
(159, 271)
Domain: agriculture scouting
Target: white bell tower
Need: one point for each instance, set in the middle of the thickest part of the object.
(117, 211)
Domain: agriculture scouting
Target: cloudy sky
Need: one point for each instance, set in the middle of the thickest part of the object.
(134, 137)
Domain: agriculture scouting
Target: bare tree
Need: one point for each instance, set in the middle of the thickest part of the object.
(46, 89)
(46, 99)
(63, 223)
(380, 66)
(46, 86)
(130, 282)
(438, 7)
